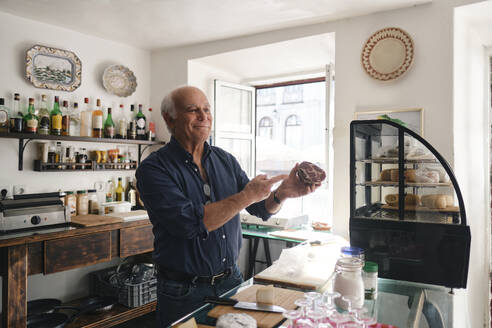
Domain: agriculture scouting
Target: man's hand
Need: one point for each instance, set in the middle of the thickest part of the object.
(292, 187)
(259, 188)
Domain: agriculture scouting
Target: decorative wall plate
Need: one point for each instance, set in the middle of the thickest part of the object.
(119, 80)
(52, 68)
(387, 54)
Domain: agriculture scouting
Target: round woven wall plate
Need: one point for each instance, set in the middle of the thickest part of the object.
(387, 54)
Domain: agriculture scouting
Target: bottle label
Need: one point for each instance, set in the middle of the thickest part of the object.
(44, 123)
(3, 117)
(97, 121)
(66, 125)
(122, 128)
(32, 124)
(109, 132)
(56, 122)
(141, 123)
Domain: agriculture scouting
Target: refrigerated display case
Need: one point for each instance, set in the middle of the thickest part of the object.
(406, 208)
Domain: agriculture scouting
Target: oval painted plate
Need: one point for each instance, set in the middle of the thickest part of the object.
(119, 80)
(388, 54)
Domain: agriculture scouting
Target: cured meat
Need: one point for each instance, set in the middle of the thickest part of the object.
(310, 173)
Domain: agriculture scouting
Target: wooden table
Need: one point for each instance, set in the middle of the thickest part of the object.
(59, 249)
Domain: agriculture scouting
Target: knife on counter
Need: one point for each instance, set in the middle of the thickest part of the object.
(244, 305)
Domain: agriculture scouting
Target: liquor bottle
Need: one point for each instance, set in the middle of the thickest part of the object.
(17, 118)
(44, 117)
(65, 119)
(120, 192)
(132, 125)
(86, 120)
(122, 124)
(109, 126)
(75, 120)
(4, 116)
(56, 118)
(97, 121)
(30, 119)
(151, 129)
(140, 117)
(131, 193)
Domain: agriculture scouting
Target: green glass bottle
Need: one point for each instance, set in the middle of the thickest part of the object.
(140, 117)
(56, 118)
(109, 126)
(30, 119)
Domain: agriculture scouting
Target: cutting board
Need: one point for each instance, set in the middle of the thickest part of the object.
(91, 220)
(283, 297)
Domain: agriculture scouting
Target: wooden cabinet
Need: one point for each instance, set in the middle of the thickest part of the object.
(22, 255)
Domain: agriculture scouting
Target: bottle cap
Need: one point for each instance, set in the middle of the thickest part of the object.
(2, 101)
(352, 251)
(370, 267)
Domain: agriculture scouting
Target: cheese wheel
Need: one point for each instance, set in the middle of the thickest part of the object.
(265, 295)
(236, 320)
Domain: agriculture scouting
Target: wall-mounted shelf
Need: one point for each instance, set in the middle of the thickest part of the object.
(83, 167)
(29, 136)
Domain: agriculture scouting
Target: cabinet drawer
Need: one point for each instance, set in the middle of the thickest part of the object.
(136, 240)
(74, 252)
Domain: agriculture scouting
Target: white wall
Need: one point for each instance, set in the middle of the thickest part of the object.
(18, 35)
(471, 126)
(428, 85)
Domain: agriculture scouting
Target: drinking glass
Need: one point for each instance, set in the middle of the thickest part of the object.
(292, 316)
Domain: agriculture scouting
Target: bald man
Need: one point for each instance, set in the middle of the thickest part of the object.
(193, 193)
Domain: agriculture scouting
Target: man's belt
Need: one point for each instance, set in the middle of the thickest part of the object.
(185, 277)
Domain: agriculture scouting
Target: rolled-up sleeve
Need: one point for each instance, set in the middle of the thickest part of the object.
(169, 206)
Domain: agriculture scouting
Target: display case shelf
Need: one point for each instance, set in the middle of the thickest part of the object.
(407, 184)
(30, 136)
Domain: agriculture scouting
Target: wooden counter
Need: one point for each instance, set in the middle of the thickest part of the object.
(58, 249)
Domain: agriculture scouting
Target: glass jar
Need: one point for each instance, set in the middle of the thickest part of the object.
(93, 201)
(348, 282)
(71, 202)
(370, 277)
(82, 202)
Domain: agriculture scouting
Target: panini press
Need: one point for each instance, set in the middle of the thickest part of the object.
(33, 211)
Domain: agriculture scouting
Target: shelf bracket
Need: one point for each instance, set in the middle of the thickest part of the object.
(22, 147)
(141, 151)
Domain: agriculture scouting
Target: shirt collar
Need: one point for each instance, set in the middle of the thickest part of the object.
(183, 153)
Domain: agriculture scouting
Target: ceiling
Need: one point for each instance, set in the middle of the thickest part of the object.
(293, 59)
(153, 24)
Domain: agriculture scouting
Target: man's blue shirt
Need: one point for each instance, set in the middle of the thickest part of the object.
(171, 188)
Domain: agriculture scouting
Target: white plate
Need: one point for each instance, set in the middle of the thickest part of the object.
(119, 80)
(387, 54)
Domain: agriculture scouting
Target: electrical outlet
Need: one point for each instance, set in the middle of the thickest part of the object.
(19, 189)
(5, 188)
